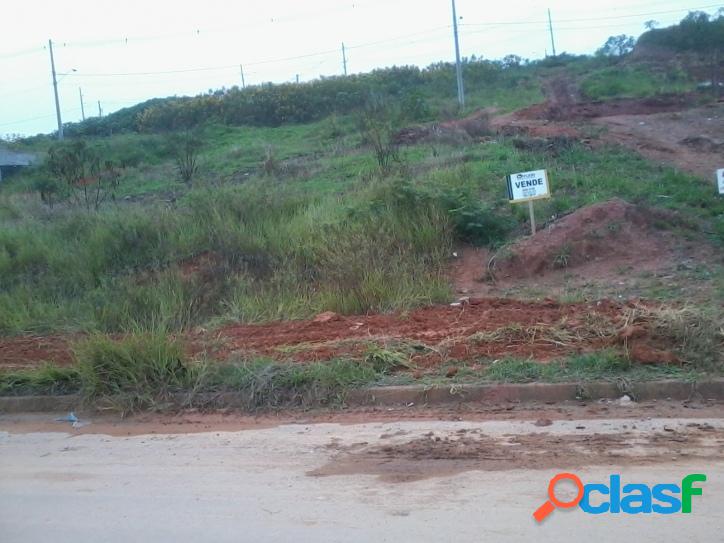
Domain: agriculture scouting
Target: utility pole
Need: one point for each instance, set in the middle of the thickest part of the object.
(550, 28)
(82, 109)
(55, 90)
(297, 79)
(243, 83)
(458, 67)
(344, 59)
(100, 110)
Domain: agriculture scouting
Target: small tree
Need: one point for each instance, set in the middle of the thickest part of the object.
(704, 35)
(79, 167)
(186, 153)
(49, 189)
(511, 61)
(376, 126)
(617, 46)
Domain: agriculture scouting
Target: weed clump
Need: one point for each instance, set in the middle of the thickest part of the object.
(695, 335)
(140, 371)
(265, 384)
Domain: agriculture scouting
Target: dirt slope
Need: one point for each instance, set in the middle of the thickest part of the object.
(594, 240)
(672, 129)
(610, 249)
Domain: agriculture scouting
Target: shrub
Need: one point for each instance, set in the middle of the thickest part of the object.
(186, 154)
(81, 168)
(376, 124)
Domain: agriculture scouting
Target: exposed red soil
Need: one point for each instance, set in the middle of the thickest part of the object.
(576, 111)
(692, 139)
(667, 128)
(595, 242)
(201, 265)
(474, 126)
(430, 335)
(479, 327)
(608, 245)
(30, 351)
(606, 235)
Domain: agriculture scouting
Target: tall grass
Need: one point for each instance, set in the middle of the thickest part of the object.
(250, 252)
(140, 371)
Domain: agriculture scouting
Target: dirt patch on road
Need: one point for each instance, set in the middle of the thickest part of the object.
(442, 455)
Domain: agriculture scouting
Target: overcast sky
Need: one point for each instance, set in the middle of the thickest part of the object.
(117, 52)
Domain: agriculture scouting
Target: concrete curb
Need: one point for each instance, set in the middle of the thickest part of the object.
(440, 395)
(536, 392)
(34, 404)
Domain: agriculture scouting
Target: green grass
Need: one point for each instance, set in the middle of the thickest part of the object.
(635, 81)
(48, 379)
(504, 100)
(272, 247)
(324, 230)
(137, 372)
(605, 365)
(263, 384)
(147, 371)
(343, 239)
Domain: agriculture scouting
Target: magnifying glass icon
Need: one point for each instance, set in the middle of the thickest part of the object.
(547, 508)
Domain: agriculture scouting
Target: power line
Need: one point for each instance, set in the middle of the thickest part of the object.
(23, 121)
(257, 63)
(380, 42)
(22, 53)
(586, 19)
(204, 32)
(22, 91)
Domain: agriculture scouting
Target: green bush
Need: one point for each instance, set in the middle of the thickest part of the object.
(471, 219)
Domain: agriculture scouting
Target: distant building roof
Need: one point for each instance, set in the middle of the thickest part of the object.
(13, 158)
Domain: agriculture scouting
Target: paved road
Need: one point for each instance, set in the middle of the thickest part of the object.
(388, 480)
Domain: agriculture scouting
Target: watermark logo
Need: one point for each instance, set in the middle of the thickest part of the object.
(631, 498)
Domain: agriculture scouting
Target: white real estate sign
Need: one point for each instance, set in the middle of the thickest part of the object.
(526, 186)
(720, 180)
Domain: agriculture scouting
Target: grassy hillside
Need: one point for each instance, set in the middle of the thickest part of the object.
(324, 230)
(300, 201)
(281, 202)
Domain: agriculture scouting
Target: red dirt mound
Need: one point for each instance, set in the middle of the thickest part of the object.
(608, 235)
(472, 127)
